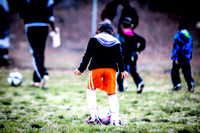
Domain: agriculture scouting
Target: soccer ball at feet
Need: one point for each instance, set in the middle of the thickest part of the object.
(104, 116)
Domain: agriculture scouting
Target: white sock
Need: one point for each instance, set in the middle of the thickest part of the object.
(114, 107)
(91, 101)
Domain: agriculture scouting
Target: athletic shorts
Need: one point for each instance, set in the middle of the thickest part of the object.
(103, 79)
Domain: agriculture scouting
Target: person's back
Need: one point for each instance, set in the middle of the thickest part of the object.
(35, 10)
(104, 51)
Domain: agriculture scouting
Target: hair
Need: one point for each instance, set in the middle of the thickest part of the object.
(105, 27)
(127, 22)
(123, 2)
(183, 23)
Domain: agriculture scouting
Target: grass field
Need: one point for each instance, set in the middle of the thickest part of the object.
(63, 107)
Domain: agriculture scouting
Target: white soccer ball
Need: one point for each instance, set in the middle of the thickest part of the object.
(104, 116)
(15, 78)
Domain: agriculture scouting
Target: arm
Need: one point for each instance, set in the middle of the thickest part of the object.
(120, 62)
(87, 56)
(174, 55)
(142, 43)
(50, 7)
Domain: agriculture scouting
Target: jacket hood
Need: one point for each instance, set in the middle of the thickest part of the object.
(106, 39)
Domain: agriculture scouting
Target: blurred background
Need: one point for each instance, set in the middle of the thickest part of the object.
(157, 24)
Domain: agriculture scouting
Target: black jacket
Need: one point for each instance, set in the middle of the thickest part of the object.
(128, 11)
(130, 45)
(102, 56)
(35, 10)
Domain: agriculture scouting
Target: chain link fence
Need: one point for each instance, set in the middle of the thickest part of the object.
(74, 18)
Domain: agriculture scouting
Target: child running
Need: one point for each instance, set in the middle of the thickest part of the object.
(105, 54)
(132, 44)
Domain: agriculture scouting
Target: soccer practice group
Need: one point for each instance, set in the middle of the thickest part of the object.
(111, 54)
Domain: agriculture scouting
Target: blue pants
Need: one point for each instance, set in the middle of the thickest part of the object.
(36, 36)
(186, 69)
(132, 69)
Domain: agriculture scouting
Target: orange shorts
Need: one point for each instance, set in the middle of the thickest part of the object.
(104, 79)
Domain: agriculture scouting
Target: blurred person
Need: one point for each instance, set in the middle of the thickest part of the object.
(181, 56)
(104, 51)
(4, 32)
(116, 10)
(37, 15)
(132, 44)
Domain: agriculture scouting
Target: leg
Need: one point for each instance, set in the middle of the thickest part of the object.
(3, 57)
(91, 101)
(114, 106)
(37, 37)
(92, 84)
(4, 46)
(120, 85)
(109, 85)
(186, 69)
(175, 76)
(136, 77)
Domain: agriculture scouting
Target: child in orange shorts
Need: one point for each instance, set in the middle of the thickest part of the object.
(105, 57)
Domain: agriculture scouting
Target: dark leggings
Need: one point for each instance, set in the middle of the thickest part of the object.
(37, 36)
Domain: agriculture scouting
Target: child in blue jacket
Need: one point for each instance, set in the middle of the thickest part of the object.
(181, 56)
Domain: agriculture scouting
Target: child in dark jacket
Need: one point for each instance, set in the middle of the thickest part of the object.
(104, 51)
(181, 56)
(132, 44)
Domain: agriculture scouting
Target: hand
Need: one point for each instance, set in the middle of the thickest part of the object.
(106, 20)
(77, 72)
(176, 62)
(124, 75)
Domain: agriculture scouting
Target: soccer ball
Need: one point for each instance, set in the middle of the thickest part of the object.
(104, 116)
(15, 78)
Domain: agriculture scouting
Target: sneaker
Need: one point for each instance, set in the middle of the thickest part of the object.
(35, 84)
(117, 124)
(140, 87)
(191, 88)
(93, 120)
(44, 82)
(177, 87)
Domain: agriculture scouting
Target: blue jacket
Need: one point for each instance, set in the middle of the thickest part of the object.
(182, 47)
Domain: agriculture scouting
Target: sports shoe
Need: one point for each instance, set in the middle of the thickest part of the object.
(140, 87)
(105, 120)
(93, 120)
(117, 124)
(191, 87)
(177, 87)
(35, 84)
(44, 82)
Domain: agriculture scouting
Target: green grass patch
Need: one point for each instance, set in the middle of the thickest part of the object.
(63, 107)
